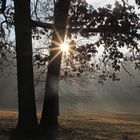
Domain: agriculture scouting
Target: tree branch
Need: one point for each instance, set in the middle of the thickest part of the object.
(131, 75)
(93, 30)
(41, 24)
(104, 30)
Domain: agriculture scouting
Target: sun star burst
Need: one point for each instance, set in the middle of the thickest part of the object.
(64, 47)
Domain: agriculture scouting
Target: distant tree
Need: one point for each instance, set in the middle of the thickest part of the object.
(27, 118)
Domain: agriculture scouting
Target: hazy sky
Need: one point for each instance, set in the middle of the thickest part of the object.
(100, 3)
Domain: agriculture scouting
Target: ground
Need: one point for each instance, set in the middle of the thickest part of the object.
(74, 126)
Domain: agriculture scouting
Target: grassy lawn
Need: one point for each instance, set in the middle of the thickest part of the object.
(102, 126)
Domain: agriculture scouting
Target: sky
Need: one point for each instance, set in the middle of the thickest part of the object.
(120, 96)
(100, 3)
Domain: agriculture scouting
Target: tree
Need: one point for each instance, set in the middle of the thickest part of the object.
(112, 25)
(27, 118)
(50, 111)
(137, 2)
(116, 28)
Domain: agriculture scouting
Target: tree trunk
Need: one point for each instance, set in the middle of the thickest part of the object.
(27, 118)
(50, 112)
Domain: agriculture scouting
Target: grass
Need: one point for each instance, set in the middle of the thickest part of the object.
(76, 126)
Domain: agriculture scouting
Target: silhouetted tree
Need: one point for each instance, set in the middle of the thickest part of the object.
(27, 118)
(50, 111)
(115, 27)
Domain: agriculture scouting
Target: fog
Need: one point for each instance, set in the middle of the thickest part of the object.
(119, 96)
(8, 92)
(83, 95)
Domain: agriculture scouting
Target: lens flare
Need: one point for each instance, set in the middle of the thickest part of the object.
(64, 47)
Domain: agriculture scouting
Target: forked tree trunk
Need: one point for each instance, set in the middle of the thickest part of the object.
(50, 112)
(27, 118)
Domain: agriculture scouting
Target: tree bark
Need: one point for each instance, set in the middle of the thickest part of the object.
(27, 118)
(50, 112)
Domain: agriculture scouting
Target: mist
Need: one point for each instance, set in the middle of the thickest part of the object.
(82, 95)
(8, 92)
(90, 97)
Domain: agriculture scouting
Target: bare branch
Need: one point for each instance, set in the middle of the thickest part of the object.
(131, 75)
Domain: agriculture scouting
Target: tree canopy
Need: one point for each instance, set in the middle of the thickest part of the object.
(113, 28)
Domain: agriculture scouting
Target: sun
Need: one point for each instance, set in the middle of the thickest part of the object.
(64, 47)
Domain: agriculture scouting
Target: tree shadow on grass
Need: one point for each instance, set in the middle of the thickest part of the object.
(36, 135)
